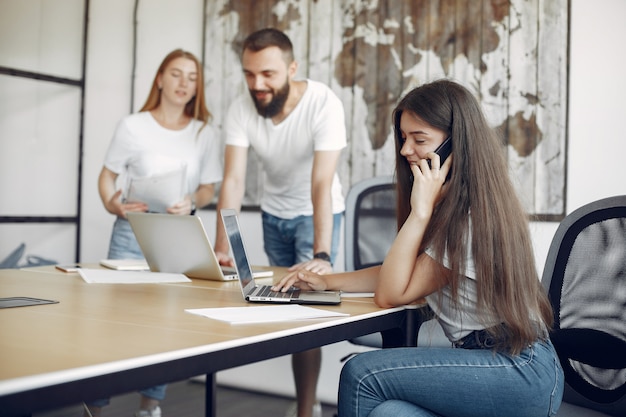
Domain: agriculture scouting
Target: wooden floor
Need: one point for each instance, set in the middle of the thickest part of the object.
(186, 399)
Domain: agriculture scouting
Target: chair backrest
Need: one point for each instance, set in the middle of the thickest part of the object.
(370, 222)
(585, 276)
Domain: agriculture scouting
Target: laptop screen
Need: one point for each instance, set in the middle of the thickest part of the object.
(231, 225)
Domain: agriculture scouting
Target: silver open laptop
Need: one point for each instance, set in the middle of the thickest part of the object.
(179, 244)
(263, 293)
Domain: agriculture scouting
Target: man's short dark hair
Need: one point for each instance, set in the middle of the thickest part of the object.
(267, 37)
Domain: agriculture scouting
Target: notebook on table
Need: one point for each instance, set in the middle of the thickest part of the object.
(179, 244)
(125, 264)
(262, 293)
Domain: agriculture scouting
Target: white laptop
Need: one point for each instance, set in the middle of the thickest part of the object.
(263, 293)
(179, 244)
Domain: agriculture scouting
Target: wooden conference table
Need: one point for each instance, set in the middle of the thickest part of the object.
(108, 339)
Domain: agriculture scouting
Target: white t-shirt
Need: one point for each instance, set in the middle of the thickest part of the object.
(286, 150)
(458, 323)
(141, 147)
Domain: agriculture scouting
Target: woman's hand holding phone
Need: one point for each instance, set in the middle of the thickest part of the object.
(428, 182)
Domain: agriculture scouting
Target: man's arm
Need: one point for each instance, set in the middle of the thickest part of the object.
(324, 168)
(231, 194)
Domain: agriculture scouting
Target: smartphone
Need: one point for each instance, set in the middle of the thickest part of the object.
(444, 150)
(68, 268)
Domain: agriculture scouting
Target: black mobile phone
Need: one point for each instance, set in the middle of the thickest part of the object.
(444, 150)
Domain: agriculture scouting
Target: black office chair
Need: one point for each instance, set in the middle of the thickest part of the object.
(370, 222)
(370, 228)
(585, 276)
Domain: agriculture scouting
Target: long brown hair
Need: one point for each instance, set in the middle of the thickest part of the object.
(480, 201)
(196, 107)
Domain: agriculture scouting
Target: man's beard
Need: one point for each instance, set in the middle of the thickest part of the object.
(271, 109)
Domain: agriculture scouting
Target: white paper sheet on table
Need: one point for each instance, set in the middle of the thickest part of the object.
(110, 276)
(264, 314)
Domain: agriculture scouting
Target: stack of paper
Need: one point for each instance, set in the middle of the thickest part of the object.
(159, 191)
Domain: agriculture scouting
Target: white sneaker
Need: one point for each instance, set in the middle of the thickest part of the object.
(292, 411)
(317, 409)
(147, 413)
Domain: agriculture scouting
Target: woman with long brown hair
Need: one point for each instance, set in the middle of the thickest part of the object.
(463, 244)
(169, 135)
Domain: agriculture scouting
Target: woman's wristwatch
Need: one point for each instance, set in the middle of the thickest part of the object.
(324, 256)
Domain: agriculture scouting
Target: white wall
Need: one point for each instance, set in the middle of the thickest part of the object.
(596, 113)
(596, 110)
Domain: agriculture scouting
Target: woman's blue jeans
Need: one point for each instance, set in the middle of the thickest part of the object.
(447, 382)
(123, 245)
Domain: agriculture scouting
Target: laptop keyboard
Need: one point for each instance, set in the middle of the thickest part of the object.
(266, 291)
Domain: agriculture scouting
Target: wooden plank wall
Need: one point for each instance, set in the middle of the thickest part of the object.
(512, 54)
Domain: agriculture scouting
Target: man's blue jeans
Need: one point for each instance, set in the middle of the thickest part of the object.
(450, 382)
(290, 241)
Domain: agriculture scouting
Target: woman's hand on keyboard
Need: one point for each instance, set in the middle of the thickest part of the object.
(303, 279)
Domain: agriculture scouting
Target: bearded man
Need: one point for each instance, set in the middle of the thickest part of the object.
(297, 129)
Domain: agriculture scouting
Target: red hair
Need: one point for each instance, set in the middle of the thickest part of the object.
(196, 107)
